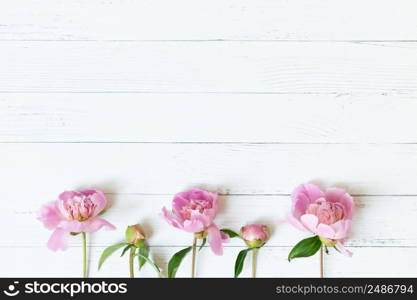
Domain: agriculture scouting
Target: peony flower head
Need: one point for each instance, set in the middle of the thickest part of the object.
(327, 214)
(73, 212)
(194, 211)
(254, 235)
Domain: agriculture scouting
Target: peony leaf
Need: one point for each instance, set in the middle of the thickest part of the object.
(240, 259)
(144, 252)
(202, 244)
(305, 248)
(230, 233)
(125, 249)
(147, 259)
(175, 261)
(109, 251)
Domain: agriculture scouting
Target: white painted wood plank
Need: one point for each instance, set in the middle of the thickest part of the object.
(217, 67)
(228, 168)
(272, 262)
(215, 19)
(356, 90)
(207, 118)
(372, 214)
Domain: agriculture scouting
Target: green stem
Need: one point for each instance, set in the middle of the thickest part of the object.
(193, 257)
(84, 254)
(131, 261)
(254, 257)
(321, 262)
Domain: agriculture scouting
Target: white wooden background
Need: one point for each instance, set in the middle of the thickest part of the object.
(146, 98)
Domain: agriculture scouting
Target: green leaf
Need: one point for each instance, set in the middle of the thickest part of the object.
(175, 261)
(230, 233)
(145, 258)
(240, 259)
(202, 244)
(109, 251)
(305, 248)
(125, 249)
(144, 252)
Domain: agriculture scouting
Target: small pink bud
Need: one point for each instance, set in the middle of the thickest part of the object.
(254, 235)
(134, 235)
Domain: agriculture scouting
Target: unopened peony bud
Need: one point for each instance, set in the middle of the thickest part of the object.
(134, 235)
(254, 235)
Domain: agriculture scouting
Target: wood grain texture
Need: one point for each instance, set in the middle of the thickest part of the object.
(272, 262)
(227, 168)
(208, 20)
(143, 99)
(234, 212)
(214, 118)
(222, 67)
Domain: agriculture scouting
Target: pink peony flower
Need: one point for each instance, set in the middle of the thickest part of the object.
(254, 235)
(194, 211)
(73, 212)
(327, 214)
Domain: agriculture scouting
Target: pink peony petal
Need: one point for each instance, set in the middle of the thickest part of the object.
(303, 196)
(81, 205)
(254, 232)
(310, 222)
(98, 198)
(193, 225)
(201, 194)
(297, 224)
(203, 218)
(63, 198)
(50, 216)
(58, 240)
(325, 231)
(214, 237)
(341, 229)
(73, 226)
(225, 237)
(210, 214)
(342, 249)
(171, 219)
(215, 202)
(338, 195)
(67, 195)
(177, 204)
(95, 224)
(348, 226)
